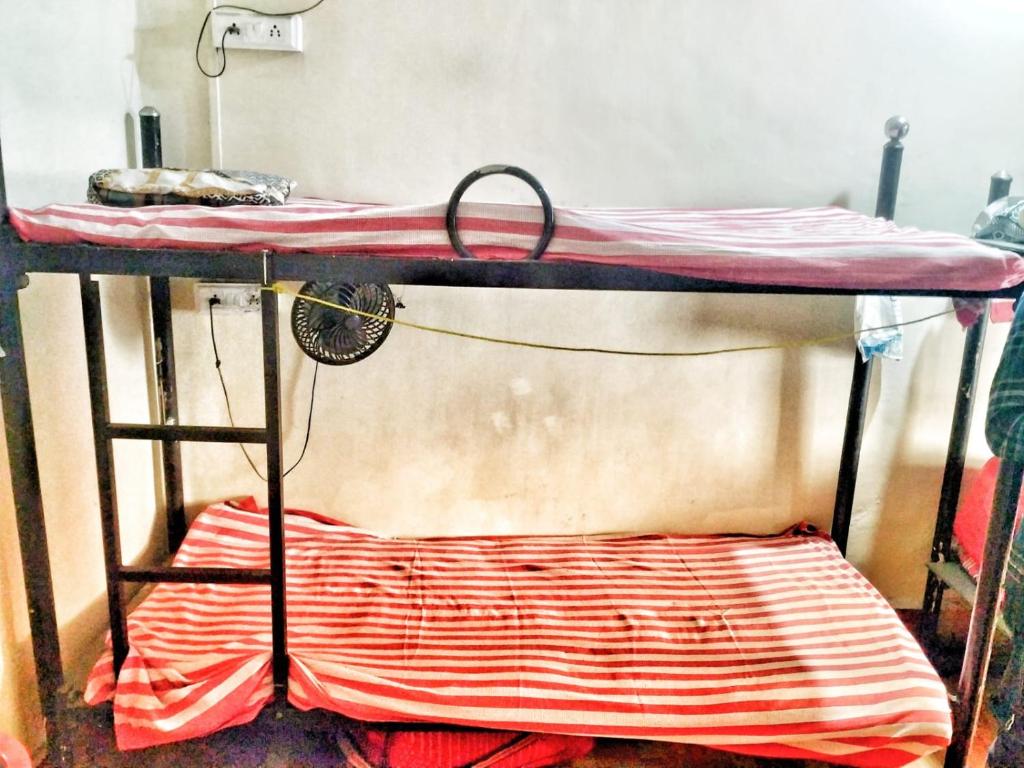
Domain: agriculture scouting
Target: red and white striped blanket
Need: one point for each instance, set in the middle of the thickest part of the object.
(773, 646)
(814, 247)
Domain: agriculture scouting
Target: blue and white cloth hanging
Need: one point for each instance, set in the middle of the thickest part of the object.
(879, 317)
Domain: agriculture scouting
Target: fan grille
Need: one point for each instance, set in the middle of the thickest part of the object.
(335, 337)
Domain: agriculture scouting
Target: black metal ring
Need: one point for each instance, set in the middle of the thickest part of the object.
(509, 170)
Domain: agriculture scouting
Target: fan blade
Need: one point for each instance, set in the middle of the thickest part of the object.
(337, 337)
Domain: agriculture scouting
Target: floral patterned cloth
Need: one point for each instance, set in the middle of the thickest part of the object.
(136, 187)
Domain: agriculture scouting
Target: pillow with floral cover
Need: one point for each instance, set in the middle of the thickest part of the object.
(135, 187)
(1002, 220)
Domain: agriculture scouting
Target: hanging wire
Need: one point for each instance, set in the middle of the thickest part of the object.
(231, 416)
(277, 288)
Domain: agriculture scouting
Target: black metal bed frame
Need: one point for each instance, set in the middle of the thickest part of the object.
(18, 259)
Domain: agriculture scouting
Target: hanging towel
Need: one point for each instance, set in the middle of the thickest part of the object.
(877, 312)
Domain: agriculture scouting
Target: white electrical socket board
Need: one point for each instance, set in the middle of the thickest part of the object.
(233, 297)
(256, 31)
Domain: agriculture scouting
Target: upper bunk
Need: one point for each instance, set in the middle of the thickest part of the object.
(824, 250)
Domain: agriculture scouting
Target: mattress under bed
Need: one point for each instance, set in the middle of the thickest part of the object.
(826, 247)
(773, 646)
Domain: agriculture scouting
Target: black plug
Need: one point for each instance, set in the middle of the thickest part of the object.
(214, 301)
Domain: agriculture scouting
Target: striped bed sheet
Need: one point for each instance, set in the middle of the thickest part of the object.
(826, 247)
(772, 646)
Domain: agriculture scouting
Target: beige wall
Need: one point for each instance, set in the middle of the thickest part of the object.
(609, 103)
(615, 103)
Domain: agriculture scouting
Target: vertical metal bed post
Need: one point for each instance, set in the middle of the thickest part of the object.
(956, 453)
(96, 362)
(985, 613)
(885, 206)
(998, 540)
(149, 129)
(28, 503)
(163, 343)
(170, 450)
(275, 480)
(999, 185)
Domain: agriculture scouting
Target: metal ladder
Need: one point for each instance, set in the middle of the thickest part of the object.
(169, 433)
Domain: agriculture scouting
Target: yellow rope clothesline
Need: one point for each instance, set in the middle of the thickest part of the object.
(278, 288)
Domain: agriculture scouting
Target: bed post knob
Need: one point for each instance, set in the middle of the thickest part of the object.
(999, 185)
(896, 127)
(149, 130)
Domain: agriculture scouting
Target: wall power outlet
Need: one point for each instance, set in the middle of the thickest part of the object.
(232, 297)
(242, 29)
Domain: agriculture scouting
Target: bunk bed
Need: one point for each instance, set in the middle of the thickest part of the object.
(577, 250)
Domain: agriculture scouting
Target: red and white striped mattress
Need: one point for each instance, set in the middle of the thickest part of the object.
(773, 646)
(814, 247)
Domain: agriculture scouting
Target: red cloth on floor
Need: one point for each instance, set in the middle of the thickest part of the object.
(460, 749)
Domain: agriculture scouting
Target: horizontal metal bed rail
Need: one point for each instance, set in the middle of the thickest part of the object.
(188, 434)
(22, 257)
(183, 575)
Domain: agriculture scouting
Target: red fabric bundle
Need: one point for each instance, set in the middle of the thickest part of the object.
(971, 523)
(369, 748)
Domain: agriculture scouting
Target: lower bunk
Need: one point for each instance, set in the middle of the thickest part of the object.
(773, 646)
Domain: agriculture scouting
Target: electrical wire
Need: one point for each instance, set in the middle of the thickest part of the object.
(223, 52)
(231, 417)
(278, 288)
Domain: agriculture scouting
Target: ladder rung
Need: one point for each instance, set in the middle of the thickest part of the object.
(196, 575)
(187, 434)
